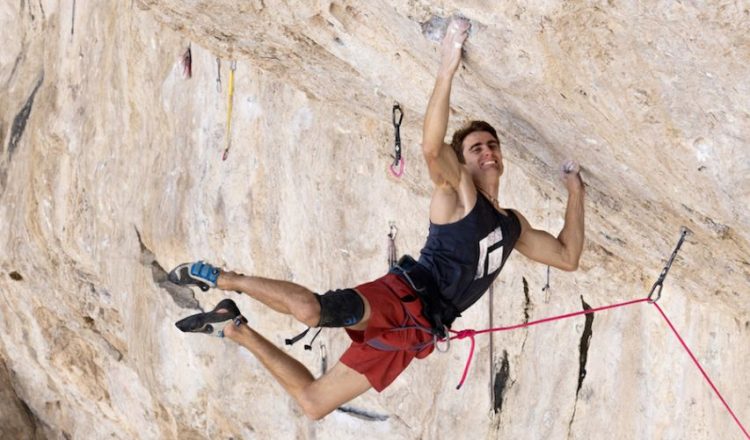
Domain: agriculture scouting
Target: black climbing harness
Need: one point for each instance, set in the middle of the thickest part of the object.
(438, 311)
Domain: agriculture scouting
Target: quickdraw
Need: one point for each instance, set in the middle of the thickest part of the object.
(398, 161)
(230, 100)
(656, 288)
(392, 245)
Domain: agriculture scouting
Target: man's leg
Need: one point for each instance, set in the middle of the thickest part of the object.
(283, 296)
(317, 398)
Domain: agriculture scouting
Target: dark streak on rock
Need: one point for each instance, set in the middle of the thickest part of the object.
(584, 345)
(13, 71)
(362, 414)
(583, 349)
(19, 122)
(614, 239)
(527, 302)
(2, 140)
(572, 417)
(181, 295)
(73, 18)
(501, 383)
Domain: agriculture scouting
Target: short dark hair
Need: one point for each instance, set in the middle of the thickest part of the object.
(461, 133)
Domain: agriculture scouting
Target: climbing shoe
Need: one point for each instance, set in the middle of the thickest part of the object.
(213, 322)
(200, 274)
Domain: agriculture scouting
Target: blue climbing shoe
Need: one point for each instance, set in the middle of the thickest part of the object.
(213, 322)
(200, 274)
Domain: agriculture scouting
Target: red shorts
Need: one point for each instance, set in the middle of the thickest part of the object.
(388, 327)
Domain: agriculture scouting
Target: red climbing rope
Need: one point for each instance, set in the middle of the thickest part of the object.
(470, 333)
(697, 364)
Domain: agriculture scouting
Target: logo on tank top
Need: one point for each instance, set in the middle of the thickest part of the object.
(495, 258)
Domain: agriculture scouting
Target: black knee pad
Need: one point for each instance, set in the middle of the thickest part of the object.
(340, 308)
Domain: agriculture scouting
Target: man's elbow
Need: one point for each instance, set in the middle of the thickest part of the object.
(569, 264)
(570, 256)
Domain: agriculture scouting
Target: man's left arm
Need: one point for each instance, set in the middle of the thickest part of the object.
(563, 252)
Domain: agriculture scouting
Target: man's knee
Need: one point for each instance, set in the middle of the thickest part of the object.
(308, 311)
(340, 308)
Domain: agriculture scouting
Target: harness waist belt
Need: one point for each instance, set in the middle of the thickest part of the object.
(439, 311)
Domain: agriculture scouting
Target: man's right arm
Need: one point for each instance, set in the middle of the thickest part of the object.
(441, 159)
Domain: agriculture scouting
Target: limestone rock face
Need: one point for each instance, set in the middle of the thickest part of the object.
(111, 173)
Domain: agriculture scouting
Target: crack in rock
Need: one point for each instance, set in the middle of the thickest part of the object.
(527, 306)
(584, 345)
(583, 349)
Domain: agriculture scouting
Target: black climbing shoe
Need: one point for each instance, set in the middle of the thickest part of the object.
(213, 322)
(199, 273)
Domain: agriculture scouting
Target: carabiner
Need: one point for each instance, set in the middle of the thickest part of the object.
(393, 230)
(397, 108)
(401, 164)
(655, 288)
(436, 339)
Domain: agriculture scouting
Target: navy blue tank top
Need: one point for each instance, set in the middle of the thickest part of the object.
(466, 256)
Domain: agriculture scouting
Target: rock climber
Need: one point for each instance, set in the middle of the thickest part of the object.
(470, 238)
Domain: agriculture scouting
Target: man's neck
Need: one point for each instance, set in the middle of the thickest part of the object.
(490, 188)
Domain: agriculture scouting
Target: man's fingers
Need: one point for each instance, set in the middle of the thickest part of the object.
(570, 167)
(458, 27)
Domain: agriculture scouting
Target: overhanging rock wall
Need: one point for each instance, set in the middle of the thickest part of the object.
(111, 172)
